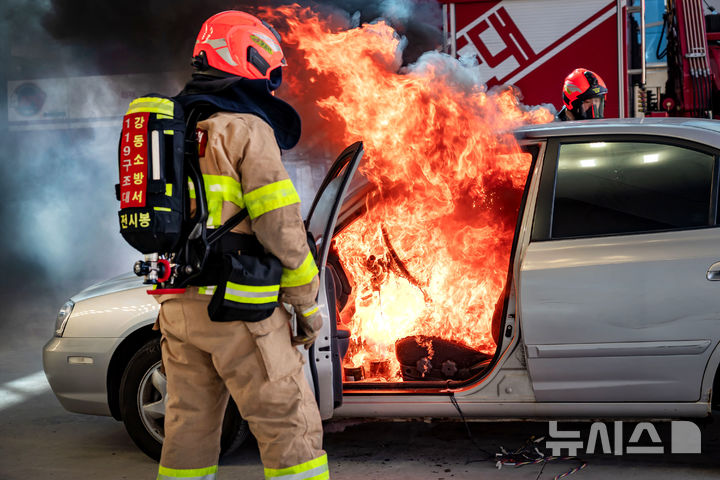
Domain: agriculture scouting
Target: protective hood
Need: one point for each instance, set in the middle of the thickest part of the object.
(241, 95)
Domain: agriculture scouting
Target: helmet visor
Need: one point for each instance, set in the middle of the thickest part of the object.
(591, 109)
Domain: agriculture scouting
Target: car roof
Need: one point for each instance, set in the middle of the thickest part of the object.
(694, 129)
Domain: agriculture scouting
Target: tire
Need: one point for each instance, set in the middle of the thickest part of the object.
(142, 405)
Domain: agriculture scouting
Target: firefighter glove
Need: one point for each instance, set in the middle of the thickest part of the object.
(309, 322)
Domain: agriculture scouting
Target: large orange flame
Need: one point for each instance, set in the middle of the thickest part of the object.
(431, 255)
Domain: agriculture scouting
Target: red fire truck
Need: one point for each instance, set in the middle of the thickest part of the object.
(665, 67)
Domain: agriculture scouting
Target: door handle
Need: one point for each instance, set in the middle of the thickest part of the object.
(713, 273)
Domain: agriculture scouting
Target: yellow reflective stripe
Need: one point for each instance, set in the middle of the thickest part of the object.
(251, 293)
(301, 275)
(322, 476)
(209, 290)
(162, 209)
(219, 189)
(168, 132)
(254, 288)
(162, 106)
(200, 473)
(318, 473)
(309, 312)
(168, 189)
(316, 469)
(233, 295)
(270, 197)
(226, 188)
(253, 300)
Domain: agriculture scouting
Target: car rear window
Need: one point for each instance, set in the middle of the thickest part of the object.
(607, 188)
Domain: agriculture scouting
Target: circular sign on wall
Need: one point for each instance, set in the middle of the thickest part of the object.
(27, 99)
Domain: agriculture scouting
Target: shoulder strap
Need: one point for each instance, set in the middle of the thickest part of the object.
(227, 226)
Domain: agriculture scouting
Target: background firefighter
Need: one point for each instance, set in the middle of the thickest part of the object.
(237, 61)
(583, 96)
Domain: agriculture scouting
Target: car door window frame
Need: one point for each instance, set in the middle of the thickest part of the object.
(544, 206)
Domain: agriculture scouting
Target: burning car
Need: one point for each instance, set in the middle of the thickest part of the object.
(475, 260)
(575, 280)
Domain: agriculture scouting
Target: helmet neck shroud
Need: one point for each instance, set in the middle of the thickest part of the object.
(240, 95)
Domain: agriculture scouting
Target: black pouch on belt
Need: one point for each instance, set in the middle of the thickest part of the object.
(248, 289)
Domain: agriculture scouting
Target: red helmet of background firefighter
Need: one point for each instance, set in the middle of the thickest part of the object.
(583, 96)
(240, 342)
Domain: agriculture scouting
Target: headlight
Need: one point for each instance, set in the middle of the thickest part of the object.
(62, 317)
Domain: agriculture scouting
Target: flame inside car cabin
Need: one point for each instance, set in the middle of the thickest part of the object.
(428, 260)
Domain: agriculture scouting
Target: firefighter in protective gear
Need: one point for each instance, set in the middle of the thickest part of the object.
(583, 96)
(238, 62)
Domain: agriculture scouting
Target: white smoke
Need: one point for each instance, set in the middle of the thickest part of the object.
(455, 74)
(57, 202)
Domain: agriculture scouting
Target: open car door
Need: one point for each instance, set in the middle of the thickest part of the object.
(325, 357)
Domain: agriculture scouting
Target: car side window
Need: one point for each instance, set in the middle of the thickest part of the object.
(606, 188)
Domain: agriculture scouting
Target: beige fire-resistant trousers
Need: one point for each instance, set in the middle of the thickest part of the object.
(263, 372)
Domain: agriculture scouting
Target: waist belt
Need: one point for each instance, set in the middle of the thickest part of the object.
(228, 243)
(232, 242)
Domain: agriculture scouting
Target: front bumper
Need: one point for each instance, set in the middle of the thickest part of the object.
(76, 369)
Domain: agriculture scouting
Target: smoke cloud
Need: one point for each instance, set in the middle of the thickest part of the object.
(158, 35)
(57, 202)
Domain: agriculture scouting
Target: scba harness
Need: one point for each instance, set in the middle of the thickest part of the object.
(159, 171)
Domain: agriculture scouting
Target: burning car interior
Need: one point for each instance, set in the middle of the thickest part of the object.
(371, 348)
(419, 293)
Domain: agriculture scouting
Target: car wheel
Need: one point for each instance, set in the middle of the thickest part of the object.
(142, 405)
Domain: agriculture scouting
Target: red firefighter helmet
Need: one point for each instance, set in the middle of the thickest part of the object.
(239, 44)
(581, 85)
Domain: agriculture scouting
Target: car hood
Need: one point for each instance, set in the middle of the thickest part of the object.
(122, 282)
